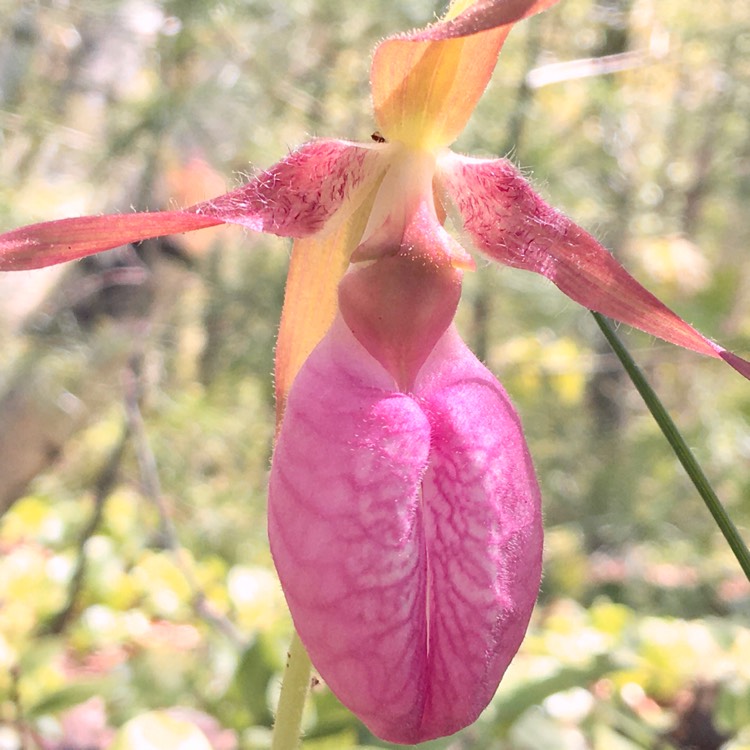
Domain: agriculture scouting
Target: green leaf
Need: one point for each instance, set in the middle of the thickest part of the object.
(158, 730)
(332, 716)
(537, 730)
(66, 697)
(257, 666)
(341, 741)
(514, 703)
(607, 739)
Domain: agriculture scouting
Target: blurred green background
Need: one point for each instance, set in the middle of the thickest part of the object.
(129, 584)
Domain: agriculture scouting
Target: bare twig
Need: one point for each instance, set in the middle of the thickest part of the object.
(587, 67)
(151, 486)
(104, 485)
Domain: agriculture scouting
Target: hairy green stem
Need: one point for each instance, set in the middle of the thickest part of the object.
(679, 446)
(294, 688)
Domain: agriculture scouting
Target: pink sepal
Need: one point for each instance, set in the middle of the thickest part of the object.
(296, 197)
(509, 222)
(52, 242)
(406, 530)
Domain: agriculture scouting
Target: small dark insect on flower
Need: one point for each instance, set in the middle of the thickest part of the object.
(377, 137)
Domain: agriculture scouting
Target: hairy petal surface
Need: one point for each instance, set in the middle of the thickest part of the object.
(466, 18)
(406, 530)
(509, 222)
(310, 297)
(297, 197)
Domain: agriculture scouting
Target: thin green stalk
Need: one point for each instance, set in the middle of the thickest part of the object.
(679, 446)
(294, 687)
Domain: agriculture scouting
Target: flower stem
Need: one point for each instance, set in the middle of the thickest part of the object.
(679, 446)
(294, 687)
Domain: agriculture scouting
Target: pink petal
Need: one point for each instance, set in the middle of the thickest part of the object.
(398, 309)
(481, 16)
(296, 197)
(399, 306)
(406, 529)
(52, 242)
(509, 222)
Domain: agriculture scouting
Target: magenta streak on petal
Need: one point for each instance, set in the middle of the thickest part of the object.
(298, 195)
(483, 15)
(406, 530)
(483, 520)
(509, 222)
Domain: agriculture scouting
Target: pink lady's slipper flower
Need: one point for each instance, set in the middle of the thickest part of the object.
(404, 514)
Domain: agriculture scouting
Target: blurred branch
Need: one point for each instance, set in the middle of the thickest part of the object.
(79, 340)
(52, 393)
(151, 486)
(587, 67)
(704, 159)
(103, 488)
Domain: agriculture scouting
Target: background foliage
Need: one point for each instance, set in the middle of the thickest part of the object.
(136, 413)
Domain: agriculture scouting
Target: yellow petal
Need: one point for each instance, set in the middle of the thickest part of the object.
(310, 297)
(426, 84)
(425, 91)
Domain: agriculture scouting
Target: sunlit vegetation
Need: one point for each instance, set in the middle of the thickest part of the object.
(136, 398)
